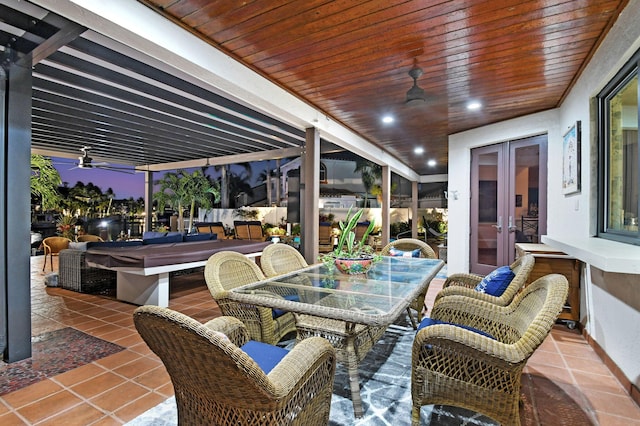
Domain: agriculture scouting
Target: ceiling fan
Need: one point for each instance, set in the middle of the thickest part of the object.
(86, 162)
(415, 95)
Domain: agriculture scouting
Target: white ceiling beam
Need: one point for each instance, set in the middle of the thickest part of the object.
(227, 159)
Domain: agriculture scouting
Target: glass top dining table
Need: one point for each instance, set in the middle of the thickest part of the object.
(352, 311)
(375, 298)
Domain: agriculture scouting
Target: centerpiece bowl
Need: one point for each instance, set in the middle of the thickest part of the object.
(354, 266)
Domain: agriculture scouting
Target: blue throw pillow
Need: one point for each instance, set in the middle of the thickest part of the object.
(426, 322)
(197, 237)
(496, 282)
(265, 355)
(401, 253)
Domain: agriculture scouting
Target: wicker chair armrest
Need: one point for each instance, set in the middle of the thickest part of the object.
(468, 344)
(463, 280)
(468, 292)
(475, 313)
(246, 312)
(305, 358)
(232, 327)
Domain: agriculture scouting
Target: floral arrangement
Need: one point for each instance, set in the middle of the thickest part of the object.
(66, 226)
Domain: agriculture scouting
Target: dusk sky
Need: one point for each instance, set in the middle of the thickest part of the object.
(124, 185)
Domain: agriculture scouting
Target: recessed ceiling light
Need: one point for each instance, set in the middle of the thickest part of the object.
(387, 119)
(418, 150)
(431, 163)
(474, 106)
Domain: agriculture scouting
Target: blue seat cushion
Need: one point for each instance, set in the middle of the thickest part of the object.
(265, 355)
(401, 253)
(279, 312)
(496, 282)
(426, 322)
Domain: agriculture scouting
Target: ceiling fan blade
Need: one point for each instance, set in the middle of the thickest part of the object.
(117, 169)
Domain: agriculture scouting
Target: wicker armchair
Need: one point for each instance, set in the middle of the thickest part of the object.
(455, 366)
(217, 383)
(408, 244)
(226, 270)
(464, 284)
(52, 247)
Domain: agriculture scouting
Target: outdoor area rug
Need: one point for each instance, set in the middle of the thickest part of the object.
(385, 378)
(54, 352)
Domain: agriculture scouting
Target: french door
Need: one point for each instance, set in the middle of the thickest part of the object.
(508, 200)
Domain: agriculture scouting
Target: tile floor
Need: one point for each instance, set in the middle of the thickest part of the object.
(119, 387)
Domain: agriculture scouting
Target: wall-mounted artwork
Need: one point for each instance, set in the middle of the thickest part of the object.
(571, 160)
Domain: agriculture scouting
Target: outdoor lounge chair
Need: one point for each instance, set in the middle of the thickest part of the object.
(457, 366)
(220, 378)
(409, 245)
(226, 270)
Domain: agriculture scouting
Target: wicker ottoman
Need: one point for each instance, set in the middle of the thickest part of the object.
(77, 276)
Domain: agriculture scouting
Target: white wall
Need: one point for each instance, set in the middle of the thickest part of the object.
(610, 302)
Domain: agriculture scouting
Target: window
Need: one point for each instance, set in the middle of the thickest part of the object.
(619, 160)
(323, 173)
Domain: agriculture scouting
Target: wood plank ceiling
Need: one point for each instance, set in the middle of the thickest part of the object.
(351, 59)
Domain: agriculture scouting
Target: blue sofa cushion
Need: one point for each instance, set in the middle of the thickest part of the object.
(426, 322)
(496, 282)
(164, 240)
(401, 253)
(265, 355)
(198, 237)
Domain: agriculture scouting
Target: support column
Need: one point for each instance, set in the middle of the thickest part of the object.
(414, 210)
(386, 204)
(148, 201)
(310, 194)
(15, 201)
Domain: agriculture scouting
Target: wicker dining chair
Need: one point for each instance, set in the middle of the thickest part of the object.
(52, 247)
(408, 245)
(278, 259)
(455, 366)
(465, 284)
(217, 383)
(228, 269)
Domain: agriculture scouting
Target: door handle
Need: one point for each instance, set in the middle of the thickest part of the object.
(498, 225)
(512, 227)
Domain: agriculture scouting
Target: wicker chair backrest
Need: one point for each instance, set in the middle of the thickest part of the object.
(55, 244)
(408, 244)
(278, 259)
(229, 269)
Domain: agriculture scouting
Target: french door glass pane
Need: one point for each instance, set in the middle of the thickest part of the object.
(526, 187)
(488, 208)
(623, 159)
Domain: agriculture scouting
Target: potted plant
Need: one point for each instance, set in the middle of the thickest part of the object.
(351, 256)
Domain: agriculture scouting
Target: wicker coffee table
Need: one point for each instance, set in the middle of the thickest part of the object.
(351, 311)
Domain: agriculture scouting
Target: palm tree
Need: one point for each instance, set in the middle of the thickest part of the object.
(45, 181)
(180, 189)
(370, 172)
(225, 175)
